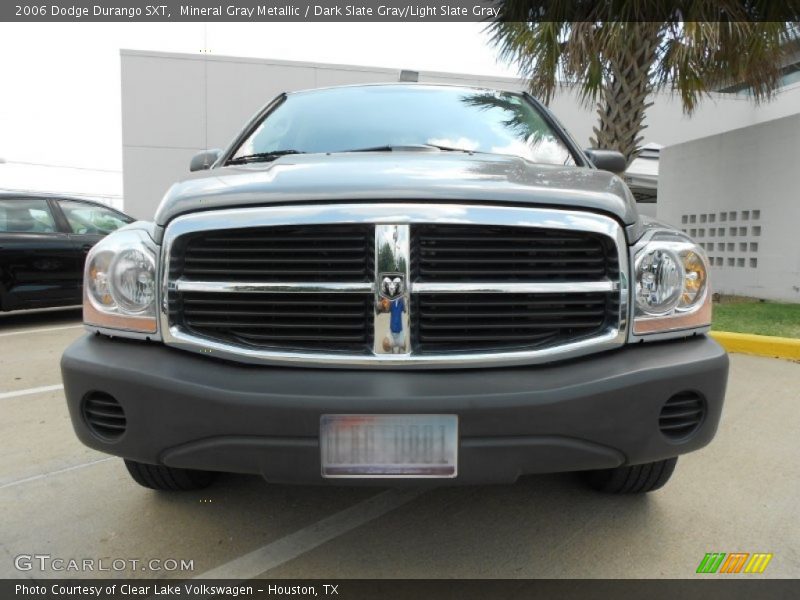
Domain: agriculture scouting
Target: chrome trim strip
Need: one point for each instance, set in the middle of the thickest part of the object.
(258, 287)
(515, 288)
(606, 341)
(398, 214)
(391, 214)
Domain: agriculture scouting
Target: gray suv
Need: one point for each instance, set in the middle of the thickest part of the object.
(398, 283)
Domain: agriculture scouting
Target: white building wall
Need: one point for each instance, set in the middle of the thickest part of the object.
(738, 194)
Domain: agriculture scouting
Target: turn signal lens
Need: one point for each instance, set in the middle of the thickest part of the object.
(97, 283)
(694, 280)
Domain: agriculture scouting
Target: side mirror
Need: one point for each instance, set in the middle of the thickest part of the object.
(204, 160)
(607, 160)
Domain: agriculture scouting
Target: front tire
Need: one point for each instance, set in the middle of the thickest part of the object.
(168, 479)
(635, 479)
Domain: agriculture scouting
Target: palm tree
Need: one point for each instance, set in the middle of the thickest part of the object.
(619, 62)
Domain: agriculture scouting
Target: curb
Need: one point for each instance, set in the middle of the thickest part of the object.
(761, 345)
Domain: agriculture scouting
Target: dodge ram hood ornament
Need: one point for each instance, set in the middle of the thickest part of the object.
(392, 285)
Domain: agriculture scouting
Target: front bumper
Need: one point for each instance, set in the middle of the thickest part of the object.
(196, 412)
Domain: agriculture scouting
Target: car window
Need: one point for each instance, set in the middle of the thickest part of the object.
(26, 215)
(88, 218)
(341, 119)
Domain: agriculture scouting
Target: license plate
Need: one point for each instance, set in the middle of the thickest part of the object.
(389, 445)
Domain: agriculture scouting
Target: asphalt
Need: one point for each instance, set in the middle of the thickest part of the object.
(740, 494)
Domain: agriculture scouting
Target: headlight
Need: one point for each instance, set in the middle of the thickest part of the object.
(120, 283)
(671, 285)
(659, 281)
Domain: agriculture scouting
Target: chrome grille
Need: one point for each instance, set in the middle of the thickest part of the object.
(394, 284)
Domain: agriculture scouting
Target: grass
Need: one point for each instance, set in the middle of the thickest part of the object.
(748, 315)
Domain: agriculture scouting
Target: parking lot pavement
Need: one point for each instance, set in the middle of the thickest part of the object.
(737, 495)
(31, 343)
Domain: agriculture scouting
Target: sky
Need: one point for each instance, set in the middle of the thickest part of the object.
(61, 81)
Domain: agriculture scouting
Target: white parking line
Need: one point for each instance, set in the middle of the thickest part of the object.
(39, 330)
(56, 472)
(295, 544)
(29, 391)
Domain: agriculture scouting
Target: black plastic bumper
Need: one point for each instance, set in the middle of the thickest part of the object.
(185, 410)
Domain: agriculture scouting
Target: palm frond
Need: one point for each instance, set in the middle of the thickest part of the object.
(705, 44)
(615, 54)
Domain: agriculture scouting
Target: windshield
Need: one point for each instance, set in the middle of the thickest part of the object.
(358, 118)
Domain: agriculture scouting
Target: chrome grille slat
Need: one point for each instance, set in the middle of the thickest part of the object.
(262, 272)
(258, 287)
(486, 285)
(516, 287)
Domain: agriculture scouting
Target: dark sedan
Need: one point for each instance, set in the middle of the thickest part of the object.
(44, 241)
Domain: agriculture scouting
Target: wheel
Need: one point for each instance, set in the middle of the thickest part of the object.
(635, 479)
(168, 479)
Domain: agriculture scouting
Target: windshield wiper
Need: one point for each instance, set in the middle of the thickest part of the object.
(402, 147)
(261, 157)
(269, 156)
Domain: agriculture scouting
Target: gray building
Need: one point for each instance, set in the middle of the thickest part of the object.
(738, 194)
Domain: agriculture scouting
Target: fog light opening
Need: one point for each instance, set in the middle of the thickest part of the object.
(104, 416)
(682, 415)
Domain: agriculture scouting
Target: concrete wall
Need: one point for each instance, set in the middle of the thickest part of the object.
(738, 194)
(174, 105)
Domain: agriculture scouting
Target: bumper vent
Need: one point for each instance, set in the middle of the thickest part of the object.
(455, 253)
(682, 415)
(104, 416)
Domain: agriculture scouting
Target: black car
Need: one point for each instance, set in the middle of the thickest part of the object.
(44, 241)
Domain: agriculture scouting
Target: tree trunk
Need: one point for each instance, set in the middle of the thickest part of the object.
(627, 85)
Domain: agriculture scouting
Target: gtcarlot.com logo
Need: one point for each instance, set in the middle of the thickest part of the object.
(47, 562)
(735, 562)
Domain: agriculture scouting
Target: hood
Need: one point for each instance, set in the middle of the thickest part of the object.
(428, 176)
